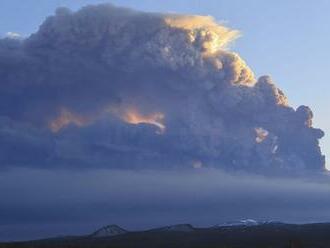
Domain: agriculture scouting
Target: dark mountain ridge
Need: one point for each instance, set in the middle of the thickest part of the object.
(243, 234)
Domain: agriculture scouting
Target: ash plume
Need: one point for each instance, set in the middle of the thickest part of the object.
(112, 87)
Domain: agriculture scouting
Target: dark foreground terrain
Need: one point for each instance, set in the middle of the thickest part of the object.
(267, 235)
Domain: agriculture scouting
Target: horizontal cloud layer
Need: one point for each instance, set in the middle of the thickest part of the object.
(115, 88)
(50, 203)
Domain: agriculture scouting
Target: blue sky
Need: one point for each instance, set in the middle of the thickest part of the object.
(285, 39)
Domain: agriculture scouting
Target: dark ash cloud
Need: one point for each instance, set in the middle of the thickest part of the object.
(115, 88)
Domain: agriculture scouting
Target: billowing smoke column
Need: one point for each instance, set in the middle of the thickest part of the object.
(112, 87)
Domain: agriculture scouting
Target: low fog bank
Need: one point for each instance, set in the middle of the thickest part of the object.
(39, 203)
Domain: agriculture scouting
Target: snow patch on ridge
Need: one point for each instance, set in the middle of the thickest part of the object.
(108, 231)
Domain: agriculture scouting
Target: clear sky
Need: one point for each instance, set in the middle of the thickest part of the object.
(286, 39)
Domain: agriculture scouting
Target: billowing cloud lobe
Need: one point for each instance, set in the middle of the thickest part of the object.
(112, 87)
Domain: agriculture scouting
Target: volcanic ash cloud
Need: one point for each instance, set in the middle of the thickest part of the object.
(112, 87)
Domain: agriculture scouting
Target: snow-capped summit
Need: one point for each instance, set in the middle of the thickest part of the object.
(245, 222)
(108, 231)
